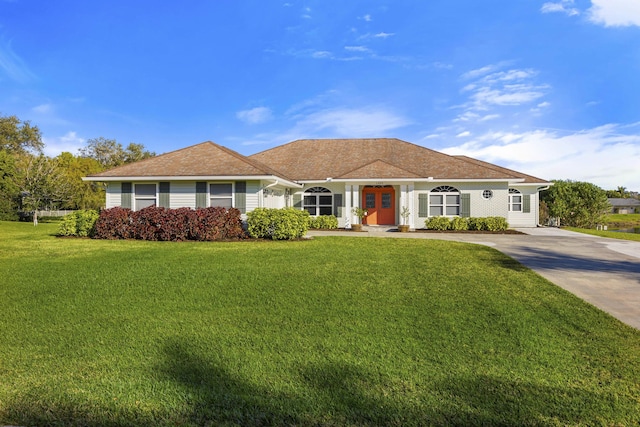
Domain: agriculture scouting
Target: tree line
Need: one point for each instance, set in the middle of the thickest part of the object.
(31, 181)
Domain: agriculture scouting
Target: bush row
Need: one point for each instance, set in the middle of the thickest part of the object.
(490, 223)
(277, 224)
(325, 222)
(78, 224)
(161, 224)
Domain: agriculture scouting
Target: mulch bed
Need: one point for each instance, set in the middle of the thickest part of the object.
(424, 230)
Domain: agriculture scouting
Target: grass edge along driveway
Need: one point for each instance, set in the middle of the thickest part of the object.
(333, 331)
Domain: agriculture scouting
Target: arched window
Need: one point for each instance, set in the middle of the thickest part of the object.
(444, 201)
(515, 200)
(318, 201)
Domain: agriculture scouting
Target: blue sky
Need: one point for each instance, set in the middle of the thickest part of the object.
(550, 88)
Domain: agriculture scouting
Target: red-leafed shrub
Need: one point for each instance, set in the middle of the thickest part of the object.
(114, 223)
(154, 223)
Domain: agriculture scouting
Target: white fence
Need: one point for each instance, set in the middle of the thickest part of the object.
(54, 213)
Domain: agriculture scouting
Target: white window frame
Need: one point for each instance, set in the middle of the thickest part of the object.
(513, 195)
(231, 197)
(444, 191)
(144, 197)
(317, 194)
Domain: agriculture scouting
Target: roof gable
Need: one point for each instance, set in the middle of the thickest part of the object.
(204, 159)
(378, 169)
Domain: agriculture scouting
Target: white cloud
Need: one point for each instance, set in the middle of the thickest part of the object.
(12, 65)
(463, 134)
(493, 88)
(314, 118)
(606, 156)
(367, 18)
(564, 6)
(474, 74)
(255, 116)
(70, 142)
(351, 122)
(321, 54)
(383, 35)
(615, 13)
(43, 109)
(357, 49)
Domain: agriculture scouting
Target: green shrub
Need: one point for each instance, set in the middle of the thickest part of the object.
(277, 224)
(79, 223)
(459, 224)
(326, 222)
(490, 223)
(476, 224)
(496, 223)
(440, 223)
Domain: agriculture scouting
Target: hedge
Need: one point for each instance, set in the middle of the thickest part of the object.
(161, 224)
(490, 223)
(325, 222)
(277, 224)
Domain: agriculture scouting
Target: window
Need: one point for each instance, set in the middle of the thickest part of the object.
(445, 203)
(487, 194)
(318, 201)
(370, 201)
(145, 195)
(220, 195)
(386, 200)
(515, 200)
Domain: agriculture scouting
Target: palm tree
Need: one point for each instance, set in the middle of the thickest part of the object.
(623, 192)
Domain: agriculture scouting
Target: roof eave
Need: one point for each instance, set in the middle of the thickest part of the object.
(428, 179)
(278, 179)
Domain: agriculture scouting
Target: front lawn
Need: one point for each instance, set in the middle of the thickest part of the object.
(332, 331)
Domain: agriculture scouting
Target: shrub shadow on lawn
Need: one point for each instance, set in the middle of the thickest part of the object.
(328, 394)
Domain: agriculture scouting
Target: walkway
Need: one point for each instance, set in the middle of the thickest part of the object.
(604, 272)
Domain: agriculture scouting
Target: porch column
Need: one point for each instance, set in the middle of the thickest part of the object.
(412, 206)
(403, 202)
(356, 202)
(347, 206)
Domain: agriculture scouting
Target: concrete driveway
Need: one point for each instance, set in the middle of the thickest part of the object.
(604, 272)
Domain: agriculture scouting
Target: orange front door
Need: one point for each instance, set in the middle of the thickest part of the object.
(380, 203)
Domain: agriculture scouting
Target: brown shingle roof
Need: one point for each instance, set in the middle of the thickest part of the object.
(378, 169)
(204, 159)
(527, 178)
(318, 159)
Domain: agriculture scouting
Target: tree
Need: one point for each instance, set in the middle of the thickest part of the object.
(84, 195)
(43, 184)
(9, 191)
(135, 152)
(577, 204)
(623, 192)
(110, 153)
(18, 137)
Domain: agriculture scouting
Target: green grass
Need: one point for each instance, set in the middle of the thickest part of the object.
(333, 331)
(623, 219)
(610, 234)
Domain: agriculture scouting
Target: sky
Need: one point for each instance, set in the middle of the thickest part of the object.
(548, 88)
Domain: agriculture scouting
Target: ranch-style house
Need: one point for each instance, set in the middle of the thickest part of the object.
(329, 176)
